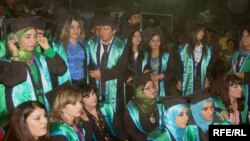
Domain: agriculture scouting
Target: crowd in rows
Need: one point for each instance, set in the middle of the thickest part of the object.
(107, 87)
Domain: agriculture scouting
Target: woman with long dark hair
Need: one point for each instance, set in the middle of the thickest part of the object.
(194, 62)
(135, 43)
(28, 123)
(228, 95)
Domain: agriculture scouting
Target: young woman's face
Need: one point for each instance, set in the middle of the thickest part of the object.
(90, 100)
(136, 38)
(207, 111)
(73, 110)
(235, 91)
(149, 90)
(29, 40)
(37, 123)
(75, 30)
(245, 40)
(182, 119)
(155, 42)
(200, 35)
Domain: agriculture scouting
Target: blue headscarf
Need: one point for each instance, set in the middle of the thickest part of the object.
(196, 110)
(169, 121)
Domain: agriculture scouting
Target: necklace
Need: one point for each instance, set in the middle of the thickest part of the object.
(152, 118)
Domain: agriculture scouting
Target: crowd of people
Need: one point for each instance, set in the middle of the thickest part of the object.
(118, 87)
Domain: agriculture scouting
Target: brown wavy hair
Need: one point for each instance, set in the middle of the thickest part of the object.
(19, 130)
(65, 33)
(221, 89)
(66, 95)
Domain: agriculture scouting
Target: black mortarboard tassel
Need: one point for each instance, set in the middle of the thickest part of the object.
(170, 101)
(21, 23)
(200, 95)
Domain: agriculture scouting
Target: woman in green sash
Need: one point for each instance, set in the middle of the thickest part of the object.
(228, 97)
(22, 45)
(175, 120)
(194, 62)
(142, 114)
(204, 114)
(65, 115)
(159, 62)
(135, 43)
(101, 117)
(72, 38)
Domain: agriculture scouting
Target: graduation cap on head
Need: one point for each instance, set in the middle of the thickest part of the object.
(148, 33)
(107, 21)
(198, 96)
(192, 24)
(170, 101)
(142, 79)
(21, 23)
(40, 23)
(51, 95)
(132, 11)
(62, 16)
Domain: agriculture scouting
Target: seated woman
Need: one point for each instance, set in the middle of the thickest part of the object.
(28, 123)
(228, 97)
(142, 114)
(203, 113)
(101, 117)
(175, 120)
(65, 115)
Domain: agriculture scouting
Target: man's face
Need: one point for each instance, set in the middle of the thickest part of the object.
(106, 33)
(134, 19)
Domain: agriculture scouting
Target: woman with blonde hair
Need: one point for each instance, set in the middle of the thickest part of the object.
(72, 37)
(65, 115)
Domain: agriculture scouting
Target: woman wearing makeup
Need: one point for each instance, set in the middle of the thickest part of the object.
(101, 117)
(143, 114)
(204, 114)
(135, 43)
(72, 38)
(228, 95)
(65, 116)
(175, 123)
(28, 123)
(22, 45)
(159, 62)
(194, 62)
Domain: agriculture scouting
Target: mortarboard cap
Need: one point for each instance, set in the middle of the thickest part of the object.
(142, 79)
(132, 11)
(51, 95)
(131, 29)
(21, 23)
(170, 101)
(200, 95)
(62, 16)
(192, 24)
(107, 21)
(40, 23)
(148, 33)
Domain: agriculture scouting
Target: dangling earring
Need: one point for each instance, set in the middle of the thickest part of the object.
(62, 116)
